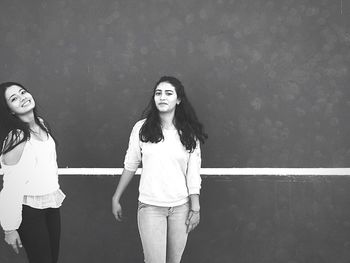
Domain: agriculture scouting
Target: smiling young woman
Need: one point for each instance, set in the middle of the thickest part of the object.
(167, 142)
(31, 196)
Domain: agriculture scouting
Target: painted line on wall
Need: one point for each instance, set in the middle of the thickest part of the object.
(217, 171)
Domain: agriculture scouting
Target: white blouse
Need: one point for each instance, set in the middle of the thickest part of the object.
(33, 181)
(51, 200)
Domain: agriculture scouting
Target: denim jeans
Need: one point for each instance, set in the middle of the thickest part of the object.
(163, 232)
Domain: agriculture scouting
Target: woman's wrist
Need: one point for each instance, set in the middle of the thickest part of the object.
(195, 211)
(194, 203)
(7, 232)
(116, 197)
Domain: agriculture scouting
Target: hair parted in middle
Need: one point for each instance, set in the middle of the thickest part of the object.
(185, 120)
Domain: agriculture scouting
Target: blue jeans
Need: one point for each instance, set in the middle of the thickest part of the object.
(163, 232)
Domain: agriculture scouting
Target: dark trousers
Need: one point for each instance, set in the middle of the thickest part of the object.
(40, 234)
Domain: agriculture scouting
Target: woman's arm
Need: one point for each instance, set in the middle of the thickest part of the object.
(123, 183)
(11, 198)
(12, 157)
(193, 217)
(131, 163)
(193, 180)
(193, 177)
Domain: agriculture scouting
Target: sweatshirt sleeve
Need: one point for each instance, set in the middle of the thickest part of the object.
(193, 177)
(133, 154)
(11, 198)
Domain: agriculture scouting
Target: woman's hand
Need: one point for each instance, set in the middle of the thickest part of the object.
(117, 210)
(192, 220)
(123, 183)
(12, 238)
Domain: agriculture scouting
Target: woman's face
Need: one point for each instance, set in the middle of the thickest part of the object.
(19, 101)
(165, 97)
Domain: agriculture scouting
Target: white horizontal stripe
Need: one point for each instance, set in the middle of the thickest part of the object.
(218, 171)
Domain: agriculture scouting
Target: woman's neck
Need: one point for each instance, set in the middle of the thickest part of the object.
(27, 117)
(30, 119)
(167, 120)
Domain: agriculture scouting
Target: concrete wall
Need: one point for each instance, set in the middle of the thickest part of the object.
(269, 80)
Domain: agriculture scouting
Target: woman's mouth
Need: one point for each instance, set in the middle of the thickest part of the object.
(26, 103)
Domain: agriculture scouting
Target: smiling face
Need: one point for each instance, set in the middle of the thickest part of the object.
(19, 101)
(165, 97)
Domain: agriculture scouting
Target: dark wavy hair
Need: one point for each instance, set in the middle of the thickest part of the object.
(186, 121)
(12, 129)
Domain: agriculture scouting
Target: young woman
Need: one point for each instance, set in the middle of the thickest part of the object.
(31, 196)
(167, 142)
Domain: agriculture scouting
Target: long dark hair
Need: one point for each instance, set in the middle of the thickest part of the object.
(186, 121)
(13, 129)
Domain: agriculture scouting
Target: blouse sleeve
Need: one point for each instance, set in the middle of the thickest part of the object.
(193, 171)
(133, 154)
(11, 198)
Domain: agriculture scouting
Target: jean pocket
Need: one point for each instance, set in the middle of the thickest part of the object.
(141, 205)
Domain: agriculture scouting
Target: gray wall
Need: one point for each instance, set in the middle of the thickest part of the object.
(269, 79)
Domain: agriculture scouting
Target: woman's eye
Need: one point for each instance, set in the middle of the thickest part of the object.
(157, 94)
(13, 99)
(23, 92)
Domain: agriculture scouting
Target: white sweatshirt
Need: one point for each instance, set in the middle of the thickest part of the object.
(170, 173)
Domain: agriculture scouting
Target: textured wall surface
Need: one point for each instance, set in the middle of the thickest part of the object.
(269, 79)
(265, 219)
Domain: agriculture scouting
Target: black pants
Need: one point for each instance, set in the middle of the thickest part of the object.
(40, 234)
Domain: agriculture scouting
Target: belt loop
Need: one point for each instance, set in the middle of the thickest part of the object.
(171, 209)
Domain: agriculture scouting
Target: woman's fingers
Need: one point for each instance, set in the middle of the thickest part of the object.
(119, 215)
(15, 248)
(117, 210)
(19, 242)
(192, 221)
(14, 241)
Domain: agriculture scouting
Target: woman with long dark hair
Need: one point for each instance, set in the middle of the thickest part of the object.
(31, 196)
(167, 142)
